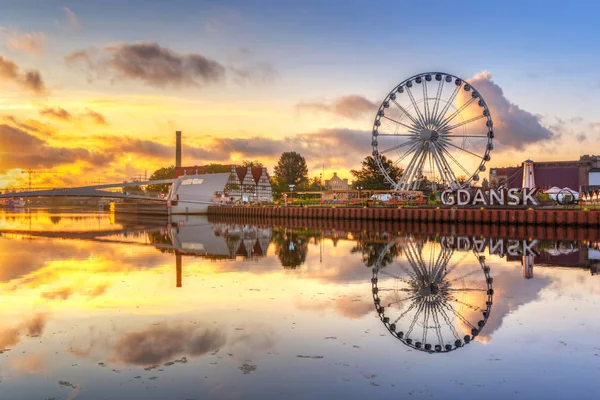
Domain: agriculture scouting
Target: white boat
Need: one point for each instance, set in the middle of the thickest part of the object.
(192, 194)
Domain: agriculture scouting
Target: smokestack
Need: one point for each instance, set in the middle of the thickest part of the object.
(178, 149)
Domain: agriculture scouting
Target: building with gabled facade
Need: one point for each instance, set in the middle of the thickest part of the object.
(337, 183)
(249, 185)
(246, 184)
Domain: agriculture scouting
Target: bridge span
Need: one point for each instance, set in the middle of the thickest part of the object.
(92, 191)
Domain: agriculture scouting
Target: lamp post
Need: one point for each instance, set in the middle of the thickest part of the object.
(359, 194)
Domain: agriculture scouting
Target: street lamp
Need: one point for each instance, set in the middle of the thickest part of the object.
(359, 194)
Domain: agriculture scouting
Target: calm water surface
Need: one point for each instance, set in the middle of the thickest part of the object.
(96, 307)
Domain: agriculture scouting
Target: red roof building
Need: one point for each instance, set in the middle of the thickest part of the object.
(571, 174)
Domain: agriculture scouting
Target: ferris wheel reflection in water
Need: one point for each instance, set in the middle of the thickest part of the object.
(437, 300)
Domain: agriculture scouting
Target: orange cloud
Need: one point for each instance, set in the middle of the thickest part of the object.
(28, 42)
(62, 294)
(56, 112)
(30, 80)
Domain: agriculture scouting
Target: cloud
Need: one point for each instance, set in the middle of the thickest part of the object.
(96, 117)
(33, 327)
(30, 80)
(32, 364)
(60, 294)
(513, 126)
(352, 106)
(57, 113)
(28, 42)
(158, 344)
(19, 149)
(150, 63)
(73, 20)
(261, 72)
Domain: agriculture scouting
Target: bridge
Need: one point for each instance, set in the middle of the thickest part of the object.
(92, 191)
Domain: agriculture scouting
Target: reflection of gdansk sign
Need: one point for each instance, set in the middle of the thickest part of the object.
(500, 197)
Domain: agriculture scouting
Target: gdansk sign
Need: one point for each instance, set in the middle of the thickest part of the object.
(500, 197)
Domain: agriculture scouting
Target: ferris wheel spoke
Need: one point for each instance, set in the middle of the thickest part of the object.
(426, 103)
(397, 135)
(411, 297)
(458, 315)
(398, 277)
(414, 320)
(448, 322)
(460, 148)
(414, 121)
(455, 161)
(442, 113)
(467, 290)
(438, 327)
(418, 173)
(439, 163)
(444, 123)
(447, 168)
(472, 307)
(453, 135)
(464, 276)
(396, 147)
(436, 104)
(453, 267)
(426, 322)
(410, 308)
(410, 128)
(416, 107)
(450, 128)
(411, 164)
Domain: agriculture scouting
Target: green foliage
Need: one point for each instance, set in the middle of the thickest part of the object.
(371, 251)
(369, 177)
(543, 197)
(291, 169)
(253, 164)
(278, 186)
(485, 184)
(311, 185)
(290, 259)
(216, 168)
(159, 174)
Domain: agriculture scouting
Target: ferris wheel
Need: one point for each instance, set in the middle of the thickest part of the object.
(437, 129)
(437, 300)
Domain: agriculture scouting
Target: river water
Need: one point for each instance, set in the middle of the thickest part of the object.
(94, 306)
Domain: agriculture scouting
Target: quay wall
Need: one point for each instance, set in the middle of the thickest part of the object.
(470, 216)
(384, 229)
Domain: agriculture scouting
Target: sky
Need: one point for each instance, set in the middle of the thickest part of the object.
(94, 91)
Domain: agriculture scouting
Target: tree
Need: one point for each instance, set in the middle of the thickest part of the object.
(485, 184)
(215, 168)
(160, 174)
(312, 185)
(461, 179)
(253, 164)
(370, 177)
(291, 168)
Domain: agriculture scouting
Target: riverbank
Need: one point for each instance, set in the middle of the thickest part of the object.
(484, 216)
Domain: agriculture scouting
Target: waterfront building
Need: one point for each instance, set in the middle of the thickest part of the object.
(245, 184)
(337, 183)
(577, 175)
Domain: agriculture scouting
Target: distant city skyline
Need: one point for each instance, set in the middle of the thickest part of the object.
(97, 90)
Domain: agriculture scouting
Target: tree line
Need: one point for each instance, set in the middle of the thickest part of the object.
(291, 169)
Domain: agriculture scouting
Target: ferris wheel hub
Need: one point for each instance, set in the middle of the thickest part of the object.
(426, 134)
